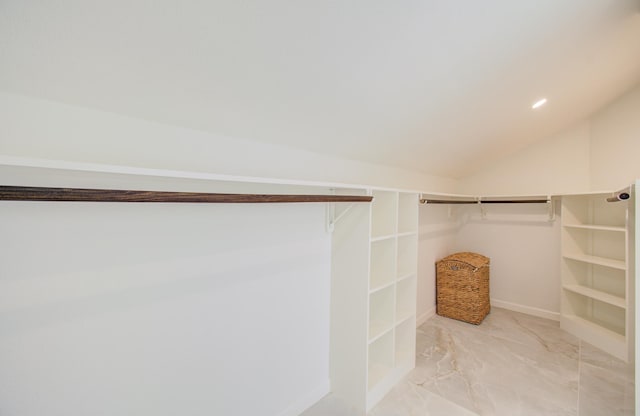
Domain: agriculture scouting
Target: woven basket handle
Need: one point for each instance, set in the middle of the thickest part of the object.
(455, 267)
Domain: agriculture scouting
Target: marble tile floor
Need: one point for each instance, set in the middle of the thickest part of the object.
(512, 364)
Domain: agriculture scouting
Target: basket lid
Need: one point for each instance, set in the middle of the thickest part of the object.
(473, 259)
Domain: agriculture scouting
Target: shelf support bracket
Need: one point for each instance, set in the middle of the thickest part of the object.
(332, 220)
(483, 210)
(552, 209)
(329, 214)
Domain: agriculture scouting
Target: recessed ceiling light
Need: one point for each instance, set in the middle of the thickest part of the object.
(539, 103)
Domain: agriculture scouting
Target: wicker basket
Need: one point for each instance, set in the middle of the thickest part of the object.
(462, 282)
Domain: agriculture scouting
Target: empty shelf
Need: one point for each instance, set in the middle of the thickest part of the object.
(597, 227)
(601, 261)
(597, 294)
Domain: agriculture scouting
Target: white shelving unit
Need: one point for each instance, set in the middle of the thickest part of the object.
(373, 264)
(374, 277)
(597, 298)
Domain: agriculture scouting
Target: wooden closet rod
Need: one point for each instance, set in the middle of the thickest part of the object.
(488, 201)
(30, 193)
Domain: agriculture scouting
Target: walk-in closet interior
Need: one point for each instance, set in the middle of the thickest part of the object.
(236, 208)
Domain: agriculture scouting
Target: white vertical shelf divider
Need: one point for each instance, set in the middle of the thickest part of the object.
(598, 292)
(373, 300)
(635, 276)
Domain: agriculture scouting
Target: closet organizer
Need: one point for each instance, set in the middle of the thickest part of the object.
(374, 264)
(374, 257)
(598, 284)
(597, 288)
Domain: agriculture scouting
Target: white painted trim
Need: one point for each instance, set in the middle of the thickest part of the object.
(636, 280)
(425, 316)
(307, 400)
(6, 160)
(529, 310)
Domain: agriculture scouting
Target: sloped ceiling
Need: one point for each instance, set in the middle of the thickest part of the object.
(438, 86)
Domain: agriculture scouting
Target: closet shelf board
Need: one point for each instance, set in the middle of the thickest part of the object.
(596, 227)
(382, 237)
(601, 261)
(378, 330)
(377, 373)
(597, 294)
(406, 276)
(381, 287)
(404, 316)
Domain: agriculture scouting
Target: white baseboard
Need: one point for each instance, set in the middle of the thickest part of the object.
(423, 318)
(529, 310)
(308, 400)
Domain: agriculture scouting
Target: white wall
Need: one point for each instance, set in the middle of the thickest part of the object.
(524, 248)
(99, 301)
(598, 154)
(168, 309)
(615, 143)
(523, 245)
(437, 238)
(163, 309)
(43, 129)
(559, 164)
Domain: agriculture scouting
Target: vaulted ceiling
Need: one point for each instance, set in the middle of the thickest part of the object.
(439, 86)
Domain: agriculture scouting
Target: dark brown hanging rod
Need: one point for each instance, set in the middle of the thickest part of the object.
(487, 201)
(29, 193)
